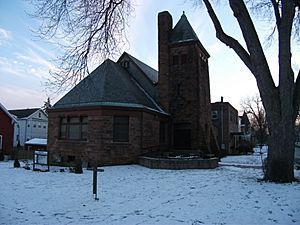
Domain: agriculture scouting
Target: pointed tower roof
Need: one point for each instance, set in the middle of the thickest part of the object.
(183, 31)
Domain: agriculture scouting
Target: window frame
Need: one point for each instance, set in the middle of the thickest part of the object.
(215, 115)
(66, 124)
(117, 133)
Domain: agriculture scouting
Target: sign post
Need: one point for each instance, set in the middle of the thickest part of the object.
(95, 182)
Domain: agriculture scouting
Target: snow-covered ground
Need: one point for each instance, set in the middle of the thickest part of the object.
(253, 161)
(134, 194)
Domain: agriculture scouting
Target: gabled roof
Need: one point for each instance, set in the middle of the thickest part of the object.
(151, 73)
(108, 85)
(7, 113)
(23, 113)
(183, 31)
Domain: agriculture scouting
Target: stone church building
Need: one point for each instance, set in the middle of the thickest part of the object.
(126, 109)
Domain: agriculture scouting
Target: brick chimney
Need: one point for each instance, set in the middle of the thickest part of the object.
(164, 30)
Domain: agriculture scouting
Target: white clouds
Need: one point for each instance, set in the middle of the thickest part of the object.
(21, 97)
(34, 58)
(26, 66)
(5, 35)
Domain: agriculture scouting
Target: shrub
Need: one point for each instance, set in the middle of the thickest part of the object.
(17, 163)
(78, 167)
(245, 147)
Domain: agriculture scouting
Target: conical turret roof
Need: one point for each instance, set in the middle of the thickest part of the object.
(183, 31)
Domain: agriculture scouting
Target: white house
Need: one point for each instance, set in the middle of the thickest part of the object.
(31, 123)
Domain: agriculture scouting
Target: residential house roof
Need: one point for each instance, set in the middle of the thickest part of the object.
(7, 113)
(108, 85)
(23, 113)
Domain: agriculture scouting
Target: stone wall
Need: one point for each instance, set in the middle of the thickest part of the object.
(99, 146)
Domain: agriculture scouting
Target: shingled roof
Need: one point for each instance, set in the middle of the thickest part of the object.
(108, 85)
(23, 113)
(151, 73)
(183, 32)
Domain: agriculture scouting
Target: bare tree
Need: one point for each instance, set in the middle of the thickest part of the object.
(280, 102)
(254, 109)
(86, 29)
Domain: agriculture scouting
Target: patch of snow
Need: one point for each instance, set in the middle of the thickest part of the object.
(133, 194)
(37, 141)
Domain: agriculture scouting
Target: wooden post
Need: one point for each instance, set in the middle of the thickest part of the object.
(95, 182)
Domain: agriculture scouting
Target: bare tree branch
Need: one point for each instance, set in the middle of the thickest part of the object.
(228, 40)
(88, 31)
(275, 4)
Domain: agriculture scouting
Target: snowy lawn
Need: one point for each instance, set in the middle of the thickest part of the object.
(254, 160)
(136, 195)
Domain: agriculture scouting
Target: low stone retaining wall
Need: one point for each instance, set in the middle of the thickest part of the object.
(174, 163)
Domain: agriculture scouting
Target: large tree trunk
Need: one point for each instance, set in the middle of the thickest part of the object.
(281, 103)
(280, 161)
(280, 165)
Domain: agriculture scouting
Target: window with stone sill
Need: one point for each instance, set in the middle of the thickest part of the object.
(121, 129)
(73, 128)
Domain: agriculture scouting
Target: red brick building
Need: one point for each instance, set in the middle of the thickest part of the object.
(7, 122)
(125, 109)
(225, 119)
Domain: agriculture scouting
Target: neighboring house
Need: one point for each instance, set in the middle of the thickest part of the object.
(245, 126)
(225, 119)
(7, 122)
(31, 123)
(126, 109)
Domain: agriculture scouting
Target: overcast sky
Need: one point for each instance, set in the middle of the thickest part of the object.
(25, 60)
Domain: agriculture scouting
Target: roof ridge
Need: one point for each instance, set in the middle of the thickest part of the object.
(140, 64)
(148, 96)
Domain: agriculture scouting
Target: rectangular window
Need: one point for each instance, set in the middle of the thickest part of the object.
(162, 132)
(73, 128)
(121, 129)
(84, 122)
(214, 115)
(175, 60)
(183, 59)
(0, 142)
(63, 128)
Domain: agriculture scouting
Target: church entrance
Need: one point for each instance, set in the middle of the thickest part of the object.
(182, 136)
